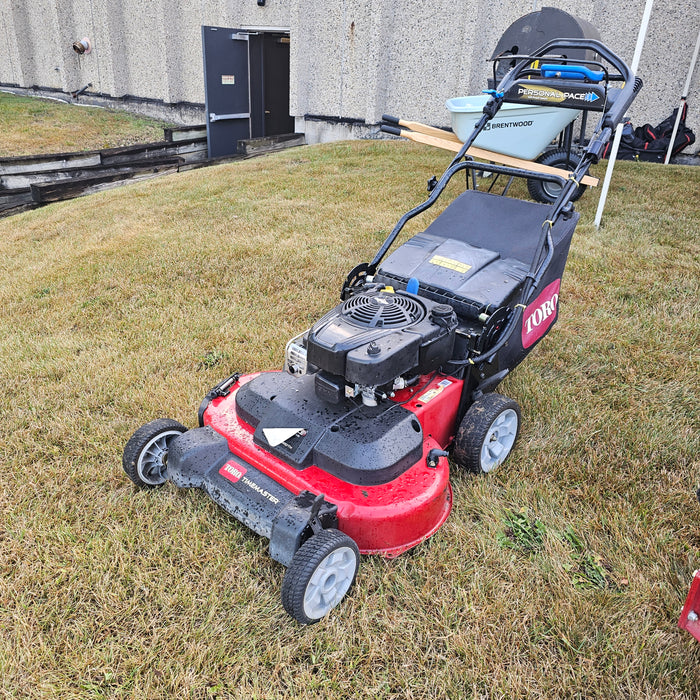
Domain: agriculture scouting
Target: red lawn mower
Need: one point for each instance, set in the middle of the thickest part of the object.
(345, 452)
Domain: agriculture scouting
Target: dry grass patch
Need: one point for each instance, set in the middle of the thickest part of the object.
(32, 125)
(560, 576)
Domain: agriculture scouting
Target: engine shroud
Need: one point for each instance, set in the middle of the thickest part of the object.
(378, 335)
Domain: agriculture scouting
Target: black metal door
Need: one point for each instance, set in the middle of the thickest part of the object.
(227, 88)
(276, 85)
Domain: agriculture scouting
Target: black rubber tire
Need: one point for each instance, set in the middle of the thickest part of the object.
(547, 192)
(155, 437)
(307, 559)
(477, 428)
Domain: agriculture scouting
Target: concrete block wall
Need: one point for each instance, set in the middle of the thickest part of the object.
(351, 60)
(149, 49)
(407, 58)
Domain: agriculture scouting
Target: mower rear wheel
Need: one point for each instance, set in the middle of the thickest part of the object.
(146, 454)
(322, 571)
(547, 192)
(487, 433)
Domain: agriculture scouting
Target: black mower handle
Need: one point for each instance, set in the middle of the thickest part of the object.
(615, 114)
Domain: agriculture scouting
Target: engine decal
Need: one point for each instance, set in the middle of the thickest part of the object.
(435, 391)
(450, 263)
(540, 314)
(232, 471)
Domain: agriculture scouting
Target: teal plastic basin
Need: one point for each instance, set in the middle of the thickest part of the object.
(518, 130)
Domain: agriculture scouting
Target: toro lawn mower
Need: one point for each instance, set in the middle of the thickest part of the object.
(345, 452)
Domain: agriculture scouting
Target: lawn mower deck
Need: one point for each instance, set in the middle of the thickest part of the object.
(345, 451)
(370, 465)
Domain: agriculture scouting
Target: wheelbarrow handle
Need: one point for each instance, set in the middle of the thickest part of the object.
(390, 129)
(390, 119)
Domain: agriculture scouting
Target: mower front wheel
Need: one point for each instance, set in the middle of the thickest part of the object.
(322, 571)
(146, 454)
(487, 433)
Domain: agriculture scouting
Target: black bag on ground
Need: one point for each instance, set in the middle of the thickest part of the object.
(650, 143)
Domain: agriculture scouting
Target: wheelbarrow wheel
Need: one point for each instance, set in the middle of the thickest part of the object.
(322, 571)
(547, 192)
(487, 433)
(146, 454)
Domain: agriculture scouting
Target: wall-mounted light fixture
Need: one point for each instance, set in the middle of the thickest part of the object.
(82, 46)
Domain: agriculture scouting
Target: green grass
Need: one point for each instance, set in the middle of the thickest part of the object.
(30, 125)
(561, 575)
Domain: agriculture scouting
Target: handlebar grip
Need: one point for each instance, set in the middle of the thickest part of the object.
(622, 102)
(557, 70)
(390, 119)
(390, 130)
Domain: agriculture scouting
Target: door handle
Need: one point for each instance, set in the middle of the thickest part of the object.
(213, 117)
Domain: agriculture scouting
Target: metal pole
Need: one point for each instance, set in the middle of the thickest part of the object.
(683, 99)
(618, 132)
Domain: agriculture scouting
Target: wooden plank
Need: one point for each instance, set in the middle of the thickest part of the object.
(25, 206)
(14, 198)
(16, 180)
(190, 148)
(267, 144)
(158, 149)
(48, 161)
(206, 162)
(195, 155)
(430, 130)
(483, 154)
(56, 191)
(184, 133)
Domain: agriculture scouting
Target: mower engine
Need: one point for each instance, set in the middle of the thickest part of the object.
(376, 342)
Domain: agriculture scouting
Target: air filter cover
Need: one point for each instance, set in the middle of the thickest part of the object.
(383, 310)
(375, 336)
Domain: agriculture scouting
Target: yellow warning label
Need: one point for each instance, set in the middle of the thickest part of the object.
(450, 263)
(435, 391)
(429, 395)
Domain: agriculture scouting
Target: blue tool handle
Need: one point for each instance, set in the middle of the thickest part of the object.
(555, 70)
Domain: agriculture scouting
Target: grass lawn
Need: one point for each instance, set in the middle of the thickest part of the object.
(31, 125)
(560, 575)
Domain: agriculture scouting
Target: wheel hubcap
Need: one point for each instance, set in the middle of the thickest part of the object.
(551, 189)
(152, 463)
(330, 582)
(499, 440)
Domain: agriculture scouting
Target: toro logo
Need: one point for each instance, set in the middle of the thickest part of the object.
(540, 314)
(232, 471)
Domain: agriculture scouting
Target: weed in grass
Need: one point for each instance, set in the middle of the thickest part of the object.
(522, 531)
(588, 570)
(212, 358)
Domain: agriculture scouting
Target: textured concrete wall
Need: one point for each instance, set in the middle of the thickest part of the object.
(407, 58)
(350, 59)
(145, 48)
